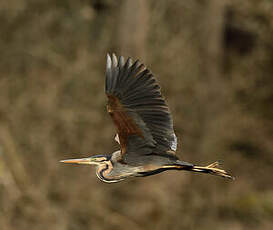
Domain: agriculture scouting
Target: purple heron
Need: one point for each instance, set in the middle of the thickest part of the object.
(144, 127)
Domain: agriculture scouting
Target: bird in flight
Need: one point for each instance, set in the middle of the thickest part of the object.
(144, 127)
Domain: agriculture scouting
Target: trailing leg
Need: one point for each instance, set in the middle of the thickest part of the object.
(211, 169)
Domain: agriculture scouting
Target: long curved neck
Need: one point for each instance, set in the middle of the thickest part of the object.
(103, 173)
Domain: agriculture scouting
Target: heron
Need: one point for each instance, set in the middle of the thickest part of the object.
(144, 125)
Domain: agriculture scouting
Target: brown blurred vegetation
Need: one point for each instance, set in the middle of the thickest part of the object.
(214, 60)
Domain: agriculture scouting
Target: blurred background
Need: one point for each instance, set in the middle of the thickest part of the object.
(214, 61)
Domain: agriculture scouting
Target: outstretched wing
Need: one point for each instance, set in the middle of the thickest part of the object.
(141, 115)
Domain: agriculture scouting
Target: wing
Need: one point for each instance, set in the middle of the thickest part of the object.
(141, 115)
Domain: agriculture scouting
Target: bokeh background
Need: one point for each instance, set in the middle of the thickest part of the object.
(214, 61)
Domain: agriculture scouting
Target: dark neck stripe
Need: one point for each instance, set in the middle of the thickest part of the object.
(104, 179)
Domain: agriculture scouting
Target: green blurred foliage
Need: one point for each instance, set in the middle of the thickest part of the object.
(214, 61)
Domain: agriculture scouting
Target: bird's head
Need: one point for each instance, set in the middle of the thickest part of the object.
(103, 163)
(93, 160)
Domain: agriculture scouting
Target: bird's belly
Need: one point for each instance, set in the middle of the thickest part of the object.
(126, 171)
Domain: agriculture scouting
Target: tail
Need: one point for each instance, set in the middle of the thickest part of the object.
(211, 169)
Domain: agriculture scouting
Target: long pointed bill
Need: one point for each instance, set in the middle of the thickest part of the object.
(88, 160)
